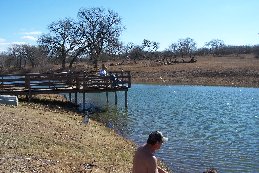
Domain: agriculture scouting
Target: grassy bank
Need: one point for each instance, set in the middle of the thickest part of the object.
(50, 137)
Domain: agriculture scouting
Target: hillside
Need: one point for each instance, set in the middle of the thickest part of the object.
(242, 70)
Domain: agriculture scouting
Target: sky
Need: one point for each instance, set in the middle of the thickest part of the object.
(236, 22)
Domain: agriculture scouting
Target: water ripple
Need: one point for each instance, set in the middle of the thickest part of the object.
(207, 126)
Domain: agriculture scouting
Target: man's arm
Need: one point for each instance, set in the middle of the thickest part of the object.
(153, 167)
(160, 170)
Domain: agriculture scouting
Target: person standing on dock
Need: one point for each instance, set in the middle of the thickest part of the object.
(144, 160)
(103, 71)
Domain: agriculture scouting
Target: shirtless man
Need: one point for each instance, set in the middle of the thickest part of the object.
(144, 160)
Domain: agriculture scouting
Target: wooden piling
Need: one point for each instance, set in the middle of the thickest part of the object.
(84, 101)
(70, 97)
(107, 97)
(116, 98)
(76, 98)
(126, 99)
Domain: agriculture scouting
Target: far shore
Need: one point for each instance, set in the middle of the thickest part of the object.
(241, 71)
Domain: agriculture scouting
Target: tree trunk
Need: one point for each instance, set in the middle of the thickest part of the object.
(72, 62)
(64, 63)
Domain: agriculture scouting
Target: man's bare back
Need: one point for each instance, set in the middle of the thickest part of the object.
(144, 160)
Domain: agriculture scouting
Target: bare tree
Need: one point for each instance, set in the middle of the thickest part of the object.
(61, 41)
(17, 51)
(186, 47)
(33, 55)
(146, 44)
(174, 49)
(6, 61)
(151, 46)
(99, 31)
(216, 46)
(155, 46)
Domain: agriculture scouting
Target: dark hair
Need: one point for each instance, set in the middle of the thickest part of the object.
(211, 170)
(155, 137)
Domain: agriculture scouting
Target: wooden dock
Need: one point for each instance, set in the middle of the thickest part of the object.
(30, 84)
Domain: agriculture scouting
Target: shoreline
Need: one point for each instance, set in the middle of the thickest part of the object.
(48, 135)
(44, 136)
(204, 85)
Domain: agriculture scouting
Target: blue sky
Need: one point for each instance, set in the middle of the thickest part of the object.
(236, 22)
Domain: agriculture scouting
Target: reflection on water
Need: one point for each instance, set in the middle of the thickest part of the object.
(207, 126)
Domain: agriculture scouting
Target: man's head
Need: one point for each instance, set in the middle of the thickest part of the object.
(211, 170)
(155, 137)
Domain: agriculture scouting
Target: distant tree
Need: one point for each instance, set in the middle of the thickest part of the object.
(186, 47)
(61, 40)
(237, 50)
(255, 50)
(146, 44)
(34, 55)
(99, 31)
(136, 53)
(202, 51)
(174, 49)
(22, 55)
(6, 61)
(18, 53)
(155, 46)
(215, 46)
(151, 46)
(125, 49)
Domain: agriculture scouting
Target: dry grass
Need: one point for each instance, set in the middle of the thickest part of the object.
(48, 138)
(218, 71)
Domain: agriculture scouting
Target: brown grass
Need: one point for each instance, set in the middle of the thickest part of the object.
(48, 138)
(218, 71)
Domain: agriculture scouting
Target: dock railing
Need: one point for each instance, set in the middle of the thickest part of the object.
(36, 83)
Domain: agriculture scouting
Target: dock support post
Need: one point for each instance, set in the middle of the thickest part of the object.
(126, 99)
(84, 101)
(116, 98)
(107, 97)
(76, 98)
(70, 97)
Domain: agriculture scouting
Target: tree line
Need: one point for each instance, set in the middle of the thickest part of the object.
(94, 36)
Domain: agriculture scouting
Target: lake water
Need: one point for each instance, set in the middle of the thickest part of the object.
(206, 126)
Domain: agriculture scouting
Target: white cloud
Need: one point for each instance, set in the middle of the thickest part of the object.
(25, 38)
(18, 42)
(29, 37)
(32, 33)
